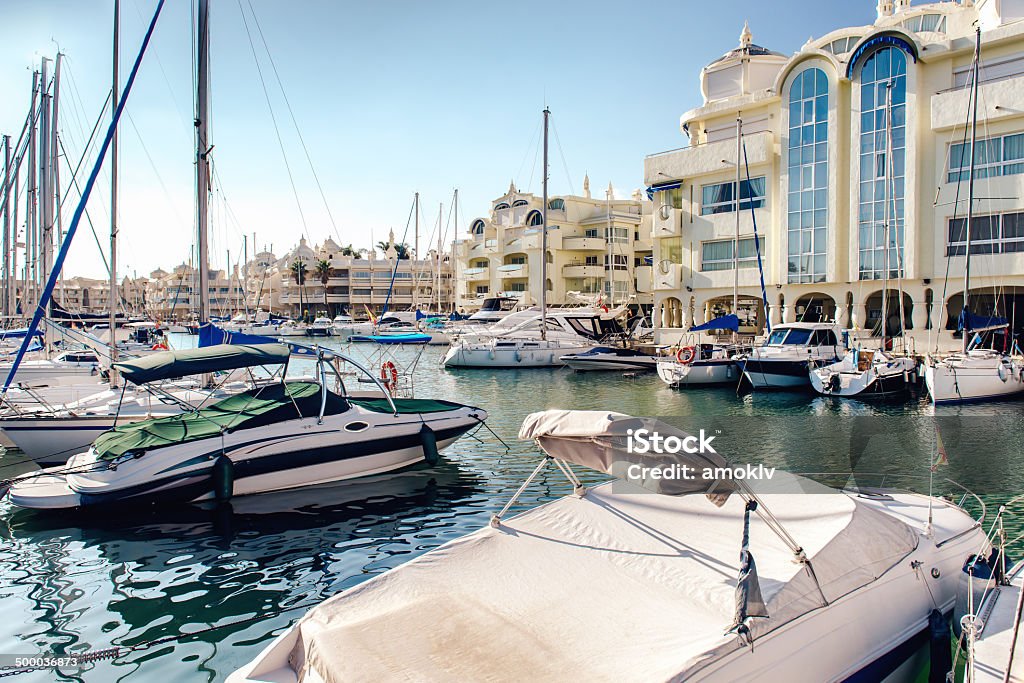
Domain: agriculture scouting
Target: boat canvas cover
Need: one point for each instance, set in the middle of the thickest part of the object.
(598, 440)
(619, 584)
(170, 364)
(726, 322)
(254, 408)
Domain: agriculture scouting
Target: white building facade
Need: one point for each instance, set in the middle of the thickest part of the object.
(849, 160)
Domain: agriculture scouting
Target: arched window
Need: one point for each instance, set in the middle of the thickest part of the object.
(557, 204)
(808, 177)
(883, 128)
(519, 202)
(477, 228)
(535, 218)
(501, 206)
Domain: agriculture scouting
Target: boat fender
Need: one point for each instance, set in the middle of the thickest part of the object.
(519, 357)
(223, 475)
(940, 657)
(490, 354)
(429, 441)
(1003, 375)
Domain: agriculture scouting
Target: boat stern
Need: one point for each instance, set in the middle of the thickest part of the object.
(45, 491)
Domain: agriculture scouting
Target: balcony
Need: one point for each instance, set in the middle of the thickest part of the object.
(478, 273)
(668, 221)
(513, 270)
(582, 270)
(584, 244)
(644, 279)
(667, 276)
(698, 160)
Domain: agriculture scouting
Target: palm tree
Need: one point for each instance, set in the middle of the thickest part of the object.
(298, 269)
(349, 250)
(402, 249)
(322, 271)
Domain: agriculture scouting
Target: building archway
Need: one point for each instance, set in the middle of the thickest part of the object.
(815, 308)
(750, 311)
(892, 313)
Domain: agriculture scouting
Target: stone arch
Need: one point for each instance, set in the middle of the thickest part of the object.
(815, 307)
(874, 313)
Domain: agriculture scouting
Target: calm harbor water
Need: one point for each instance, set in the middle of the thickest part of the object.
(72, 583)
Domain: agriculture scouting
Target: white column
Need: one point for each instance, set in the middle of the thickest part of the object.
(840, 315)
(919, 316)
(789, 313)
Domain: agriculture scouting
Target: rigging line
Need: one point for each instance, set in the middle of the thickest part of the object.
(88, 218)
(565, 166)
(295, 123)
(273, 118)
(956, 203)
(156, 171)
(156, 54)
(85, 151)
(533, 166)
(529, 146)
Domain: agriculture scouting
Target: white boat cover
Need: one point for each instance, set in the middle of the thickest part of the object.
(556, 591)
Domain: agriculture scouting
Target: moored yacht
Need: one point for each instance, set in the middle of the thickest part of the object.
(783, 361)
(320, 327)
(610, 358)
(865, 373)
(703, 364)
(974, 375)
(280, 435)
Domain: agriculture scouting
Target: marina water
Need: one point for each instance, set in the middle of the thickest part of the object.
(74, 582)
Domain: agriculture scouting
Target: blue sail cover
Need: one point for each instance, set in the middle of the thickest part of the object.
(970, 321)
(211, 335)
(726, 322)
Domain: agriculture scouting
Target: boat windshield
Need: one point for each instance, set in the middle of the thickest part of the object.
(789, 337)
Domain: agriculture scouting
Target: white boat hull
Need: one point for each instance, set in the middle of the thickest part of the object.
(698, 373)
(300, 452)
(976, 377)
(844, 380)
(533, 355)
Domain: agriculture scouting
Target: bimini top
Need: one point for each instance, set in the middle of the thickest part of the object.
(599, 440)
(170, 364)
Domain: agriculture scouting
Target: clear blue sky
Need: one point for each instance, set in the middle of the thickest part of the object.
(391, 98)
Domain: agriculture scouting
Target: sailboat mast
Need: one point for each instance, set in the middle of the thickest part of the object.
(202, 162)
(609, 255)
(736, 238)
(970, 187)
(29, 296)
(45, 244)
(416, 253)
(54, 195)
(886, 214)
(455, 230)
(114, 99)
(7, 247)
(544, 239)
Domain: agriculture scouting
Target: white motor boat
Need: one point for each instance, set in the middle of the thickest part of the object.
(864, 373)
(699, 365)
(494, 309)
(277, 436)
(320, 327)
(977, 375)
(290, 328)
(77, 363)
(620, 582)
(785, 358)
(610, 358)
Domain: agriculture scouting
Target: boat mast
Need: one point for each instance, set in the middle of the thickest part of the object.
(7, 241)
(29, 295)
(736, 238)
(965, 314)
(886, 215)
(45, 244)
(544, 239)
(54, 195)
(455, 231)
(416, 253)
(610, 272)
(115, 97)
(202, 161)
(437, 258)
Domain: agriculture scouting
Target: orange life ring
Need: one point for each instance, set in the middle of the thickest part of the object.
(159, 346)
(389, 375)
(686, 355)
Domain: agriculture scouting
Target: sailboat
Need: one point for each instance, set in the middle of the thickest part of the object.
(874, 372)
(974, 374)
(706, 364)
(539, 341)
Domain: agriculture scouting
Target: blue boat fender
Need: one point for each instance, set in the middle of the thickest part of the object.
(223, 475)
(429, 441)
(939, 649)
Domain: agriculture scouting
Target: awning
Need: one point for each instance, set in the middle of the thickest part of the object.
(662, 187)
(971, 322)
(168, 364)
(726, 322)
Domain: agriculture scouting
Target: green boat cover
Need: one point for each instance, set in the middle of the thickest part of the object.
(266, 405)
(405, 405)
(168, 364)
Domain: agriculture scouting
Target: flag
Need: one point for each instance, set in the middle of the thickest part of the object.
(373, 318)
(941, 458)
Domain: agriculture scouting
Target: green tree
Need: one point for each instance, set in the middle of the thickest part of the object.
(298, 269)
(402, 249)
(349, 250)
(323, 272)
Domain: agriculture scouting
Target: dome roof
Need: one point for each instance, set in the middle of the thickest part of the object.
(746, 48)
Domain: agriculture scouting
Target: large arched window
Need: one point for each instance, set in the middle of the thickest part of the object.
(519, 202)
(808, 177)
(477, 228)
(557, 204)
(501, 207)
(883, 129)
(535, 218)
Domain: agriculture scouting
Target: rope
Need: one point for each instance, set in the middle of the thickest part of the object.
(484, 424)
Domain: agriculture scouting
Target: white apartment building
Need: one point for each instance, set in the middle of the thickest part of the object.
(175, 295)
(595, 246)
(854, 145)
